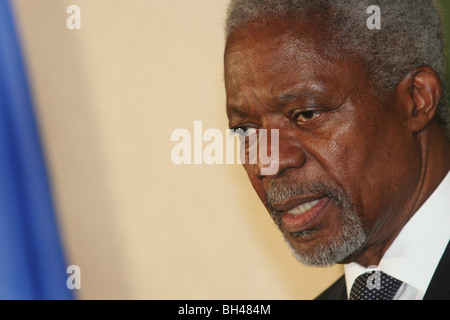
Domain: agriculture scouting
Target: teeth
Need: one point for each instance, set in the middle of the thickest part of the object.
(301, 209)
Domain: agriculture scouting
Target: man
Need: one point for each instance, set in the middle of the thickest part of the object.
(364, 151)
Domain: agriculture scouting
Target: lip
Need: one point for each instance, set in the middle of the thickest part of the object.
(292, 203)
(294, 224)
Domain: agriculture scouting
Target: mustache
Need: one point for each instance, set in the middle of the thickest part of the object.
(284, 189)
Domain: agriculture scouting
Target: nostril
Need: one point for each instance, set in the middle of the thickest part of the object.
(285, 170)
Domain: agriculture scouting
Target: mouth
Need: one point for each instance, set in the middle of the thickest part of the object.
(299, 216)
(303, 208)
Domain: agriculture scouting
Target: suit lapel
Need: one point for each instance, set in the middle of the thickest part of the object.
(439, 288)
(337, 291)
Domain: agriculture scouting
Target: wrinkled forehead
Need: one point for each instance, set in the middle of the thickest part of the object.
(278, 36)
(276, 51)
(279, 60)
(267, 47)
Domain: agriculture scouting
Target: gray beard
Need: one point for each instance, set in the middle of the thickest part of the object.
(351, 236)
(350, 239)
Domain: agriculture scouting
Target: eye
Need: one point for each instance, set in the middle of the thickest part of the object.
(309, 115)
(244, 132)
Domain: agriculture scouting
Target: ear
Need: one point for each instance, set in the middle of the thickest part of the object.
(425, 91)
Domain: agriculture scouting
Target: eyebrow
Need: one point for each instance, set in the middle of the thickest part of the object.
(283, 99)
(237, 112)
(294, 95)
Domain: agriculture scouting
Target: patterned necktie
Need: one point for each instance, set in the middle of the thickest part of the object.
(374, 285)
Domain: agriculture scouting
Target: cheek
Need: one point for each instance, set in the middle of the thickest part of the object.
(372, 163)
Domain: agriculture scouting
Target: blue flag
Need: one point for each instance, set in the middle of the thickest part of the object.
(32, 264)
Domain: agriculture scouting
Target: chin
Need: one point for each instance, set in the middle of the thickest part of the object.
(312, 248)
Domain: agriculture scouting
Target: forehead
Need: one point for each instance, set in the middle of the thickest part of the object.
(271, 60)
(265, 54)
(261, 44)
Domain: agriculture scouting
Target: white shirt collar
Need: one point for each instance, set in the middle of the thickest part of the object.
(415, 254)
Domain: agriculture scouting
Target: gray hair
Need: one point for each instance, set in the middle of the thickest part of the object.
(411, 35)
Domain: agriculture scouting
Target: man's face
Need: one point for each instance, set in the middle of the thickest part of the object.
(347, 164)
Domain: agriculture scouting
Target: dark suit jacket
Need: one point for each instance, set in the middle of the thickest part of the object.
(439, 288)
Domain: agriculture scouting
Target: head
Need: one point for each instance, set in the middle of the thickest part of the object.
(352, 107)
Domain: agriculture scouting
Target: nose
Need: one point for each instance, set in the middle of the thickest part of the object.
(285, 153)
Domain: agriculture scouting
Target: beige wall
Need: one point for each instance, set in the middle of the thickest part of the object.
(108, 97)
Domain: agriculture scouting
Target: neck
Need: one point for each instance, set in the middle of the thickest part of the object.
(435, 165)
